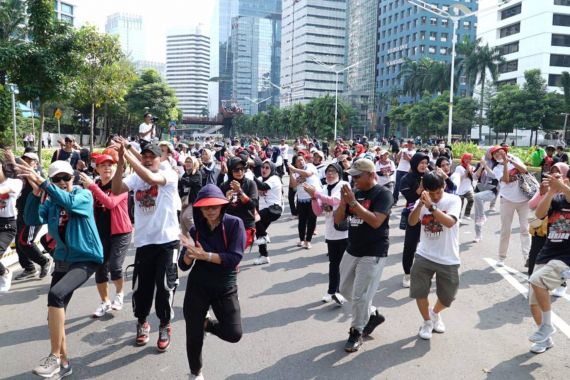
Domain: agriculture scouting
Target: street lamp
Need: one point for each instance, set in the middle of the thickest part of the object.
(455, 19)
(256, 101)
(337, 72)
(14, 91)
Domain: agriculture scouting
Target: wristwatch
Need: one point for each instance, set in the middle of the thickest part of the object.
(432, 208)
(353, 203)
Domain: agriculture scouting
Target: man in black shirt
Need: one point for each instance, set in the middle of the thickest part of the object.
(561, 154)
(67, 153)
(368, 210)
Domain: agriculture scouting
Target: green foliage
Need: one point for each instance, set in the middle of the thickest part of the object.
(466, 147)
(464, 114)
(425, 75)
(5, 115)
(565, 84)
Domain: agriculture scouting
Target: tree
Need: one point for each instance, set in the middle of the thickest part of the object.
(12, 32)
(464, 116)
(465, 54)
(506, 111)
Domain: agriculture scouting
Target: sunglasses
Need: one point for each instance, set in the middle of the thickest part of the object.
(240, 169)
(59, 178)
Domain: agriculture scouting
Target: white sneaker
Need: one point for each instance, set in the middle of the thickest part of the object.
(438, 325)
(426, 330)
(197, 377)
(117, 303)
(406, 281)
(339, 299)
(6, 281)
(261, 260)
(260, 241)
(327, 298)
(307, 245)
(541, 347)
(467, 218)
(501, 262)
(102, 309)
(559, 291)
(300, 244)
(543, 333)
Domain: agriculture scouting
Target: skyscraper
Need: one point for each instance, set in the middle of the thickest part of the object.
(129, 29)
(312, 30)
(188, 70)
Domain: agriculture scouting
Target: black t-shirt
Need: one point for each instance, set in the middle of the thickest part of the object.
(395, 146)
(71, 157)
(562, 157)
(102, 213)
(557, 246)
(363, 240)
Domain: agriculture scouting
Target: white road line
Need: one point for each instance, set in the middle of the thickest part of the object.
(507, 273)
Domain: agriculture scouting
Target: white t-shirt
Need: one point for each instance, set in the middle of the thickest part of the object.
(404, 165)
(332, 233)
(384, 170)
(510, 191)
(8, 200)
(321, 170)
(274, 195)
(144, 128)
(465, 184)
(284, 151)
(156, 221)
(437, 242)
(313, 180)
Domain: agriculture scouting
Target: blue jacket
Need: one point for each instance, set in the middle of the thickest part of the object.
(82, 242)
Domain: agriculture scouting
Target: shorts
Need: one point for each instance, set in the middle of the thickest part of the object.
(446, 279)
(547, 276)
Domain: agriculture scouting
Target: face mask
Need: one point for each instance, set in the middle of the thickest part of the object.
(441, 146)
(500, 161)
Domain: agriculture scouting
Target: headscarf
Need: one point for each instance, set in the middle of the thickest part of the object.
(563, 168)
(339, 170)
(271, 170)
(415, 161)
(464, 158)
(232, 163)
(359, 149)
(276, 152)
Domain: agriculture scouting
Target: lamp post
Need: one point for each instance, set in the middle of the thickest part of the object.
(14, 91)
(256, 101)
(337, 72)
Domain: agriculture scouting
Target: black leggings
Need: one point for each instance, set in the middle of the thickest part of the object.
(225, 304)
(307, 221)
(336, 251)
(115, 249)
(7, 234)
(291, 198)
(28, 251)
(411, 240)
(66, 278)
(266, 218)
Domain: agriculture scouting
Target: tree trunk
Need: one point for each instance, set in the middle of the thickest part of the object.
(33, 119)
(481, 107)
(42, 119)
(92, 127)
(531, 132)
(105, 125)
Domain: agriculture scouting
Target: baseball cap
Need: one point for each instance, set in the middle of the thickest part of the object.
(382, 152)
(210, 195)
(31, 156)
(361, 166)
(153, 148)
(58, 167)
(104, 158)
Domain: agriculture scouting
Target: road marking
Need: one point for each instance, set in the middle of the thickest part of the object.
(508, 273)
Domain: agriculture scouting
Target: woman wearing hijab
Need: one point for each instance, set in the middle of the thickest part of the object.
(188, 187)
(212, 254)
(485, 191)
(242, 195)
(277, 160)
(327, 200)
(411, 187)
(465, 189)
(269, 188)
(210, 171)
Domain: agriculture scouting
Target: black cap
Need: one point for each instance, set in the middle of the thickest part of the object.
(153, 148)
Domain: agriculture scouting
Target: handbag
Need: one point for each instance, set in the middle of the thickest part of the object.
(404, 218)
(528, 184)
(275, 210)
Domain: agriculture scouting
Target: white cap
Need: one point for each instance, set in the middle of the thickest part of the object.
(31, 156)
(58, 167)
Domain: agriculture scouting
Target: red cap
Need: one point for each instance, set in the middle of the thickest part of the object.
(103, 158)
(497, 147)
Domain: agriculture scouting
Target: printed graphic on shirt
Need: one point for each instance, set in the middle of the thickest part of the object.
(559, 225)
(355, 220)
(386, 170)
(100, 205)
(63, 219)
(147, 199)
(432, 227)
(4, 200)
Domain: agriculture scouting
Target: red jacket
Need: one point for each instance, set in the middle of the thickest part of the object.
(118, 204)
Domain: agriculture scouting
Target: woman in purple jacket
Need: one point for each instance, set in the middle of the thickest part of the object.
(212, 254)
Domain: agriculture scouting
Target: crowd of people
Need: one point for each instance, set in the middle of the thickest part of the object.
(200, 207)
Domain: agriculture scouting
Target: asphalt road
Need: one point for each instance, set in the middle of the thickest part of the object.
(290, 334)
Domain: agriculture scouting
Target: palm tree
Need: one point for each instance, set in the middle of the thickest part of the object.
(465, 50)
(482, 60)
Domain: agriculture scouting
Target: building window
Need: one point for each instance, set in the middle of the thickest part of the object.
(511, 11)
(431, 50)
(443, 51)
(505, 82)
(509, 48)
(561, 20)
(444, 37)
(422, 48)
(560, 40)
(433, 21)
(562, 2)
(445, 22)
(66, 8)
(423, 20)
(466, 24)
(560, 60)
(509, 66)
(422, 36)
(432, 36)
(67, 19)
(510, 30)
(554, 80)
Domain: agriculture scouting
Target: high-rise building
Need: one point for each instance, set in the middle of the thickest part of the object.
(129, 28)
(140, 66)
(408, 31)
(64, 11)
(312, 31)
(530, 35)
(188, 70)
(362, 46)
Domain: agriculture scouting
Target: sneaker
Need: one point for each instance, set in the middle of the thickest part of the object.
(467, 218)
(46, 268)
(492, 209)
(426, 330)
(438, 325)
(374, 321)
(565, 275)
(543, 333)
(541, 347)
(142, 333)
(406, 281)
(338, 298)
(65, 370)
(261, 260)
(102, 309)
(460, 221)
(117, 303)
(26, 275)
(354, 340)
(307, 245)
(267, 239)
(327, 298)
(501, 262)
(559, 291)
(260, 241)
(48, 367)
(197, 377)
(6, 281)
(163, 341)
(300, 244)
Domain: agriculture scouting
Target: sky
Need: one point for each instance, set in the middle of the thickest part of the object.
(159, 17)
